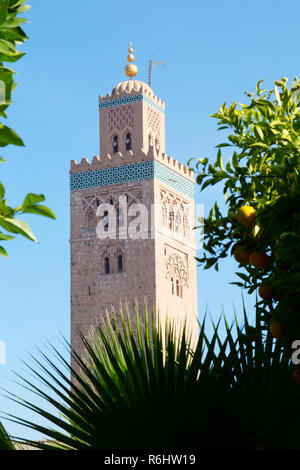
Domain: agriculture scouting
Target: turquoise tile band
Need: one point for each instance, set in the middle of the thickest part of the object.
(131, 99)
(131, 172)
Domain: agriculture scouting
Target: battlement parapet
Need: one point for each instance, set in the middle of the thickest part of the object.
(129, 92)
(131, 87)
(119, 159)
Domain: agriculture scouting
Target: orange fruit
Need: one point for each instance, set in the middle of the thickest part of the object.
(296, 376)
(246, 215)
(277, 330)
(241, 254)
(266, 292)
(259, 260)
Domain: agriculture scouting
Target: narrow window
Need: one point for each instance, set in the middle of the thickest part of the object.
(171, 220)
(165, 216)
(157, 144)
(120, 263)
(128, 141)
(177, 288)
(172, 283)
(120, 217)
(178, 223)
(89, 290)
(105, 221)
(150, 140)
(111, 202)
(106, 265)
(185, 226)
(115, 144)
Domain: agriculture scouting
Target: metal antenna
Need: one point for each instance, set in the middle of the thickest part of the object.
(152, 64)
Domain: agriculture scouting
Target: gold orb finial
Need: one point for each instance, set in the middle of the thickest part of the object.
(131, 69)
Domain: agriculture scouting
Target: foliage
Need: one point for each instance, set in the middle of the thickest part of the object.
(5, 441)
(149, 390)
(12, 34)
(263, 172)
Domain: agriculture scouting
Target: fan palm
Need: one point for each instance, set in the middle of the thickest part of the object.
(5, 441)
(139, 387)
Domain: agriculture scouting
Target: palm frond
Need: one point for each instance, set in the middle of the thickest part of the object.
(142, 386)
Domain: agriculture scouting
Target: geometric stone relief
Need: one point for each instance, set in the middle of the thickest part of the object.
(176, 268)
(153, 120)
(120, 118)
(174, 213)
(92, 202)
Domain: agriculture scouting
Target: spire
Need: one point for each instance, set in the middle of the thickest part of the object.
(131, 69)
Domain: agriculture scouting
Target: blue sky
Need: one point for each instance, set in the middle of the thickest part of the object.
(213, 51)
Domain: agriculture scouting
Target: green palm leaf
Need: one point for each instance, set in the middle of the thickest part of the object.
(140, 386)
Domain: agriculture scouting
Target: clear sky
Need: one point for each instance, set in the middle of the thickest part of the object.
(213, 51)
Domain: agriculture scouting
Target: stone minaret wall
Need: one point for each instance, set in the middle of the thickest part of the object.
(160, 268)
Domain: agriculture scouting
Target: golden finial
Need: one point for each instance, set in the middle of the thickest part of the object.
(131, 69)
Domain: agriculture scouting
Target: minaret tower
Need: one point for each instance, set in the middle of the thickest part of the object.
(149, 250)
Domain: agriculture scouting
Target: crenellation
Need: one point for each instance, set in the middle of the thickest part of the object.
(132, 88)
(120, 159)
(96, 163)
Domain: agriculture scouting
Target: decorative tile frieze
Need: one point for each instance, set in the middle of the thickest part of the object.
(131, 172)
(131, 99)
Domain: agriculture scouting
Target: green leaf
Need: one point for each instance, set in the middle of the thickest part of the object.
(277, 94)
(3, 252)
(40, 210)
(9, 136)
(219, 160)
(3, 10)
(4, 236)
(223, 145)
(260, 132)
(243, 276)
(2, 191)
(17, 226)
(31, 199)
(259, 144)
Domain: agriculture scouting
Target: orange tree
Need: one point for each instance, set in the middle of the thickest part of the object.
(261, 184)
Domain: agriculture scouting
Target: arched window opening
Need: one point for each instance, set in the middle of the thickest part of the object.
(172, 284)
(185, 226)
(177, 288)
(178, 222)
(106, 265)
(111, 202)
(120, 263)
(128, 141)
(105, 221)
(157, 146)
(116, 144)
(171, 220)
(164, 215)
(120, 217)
